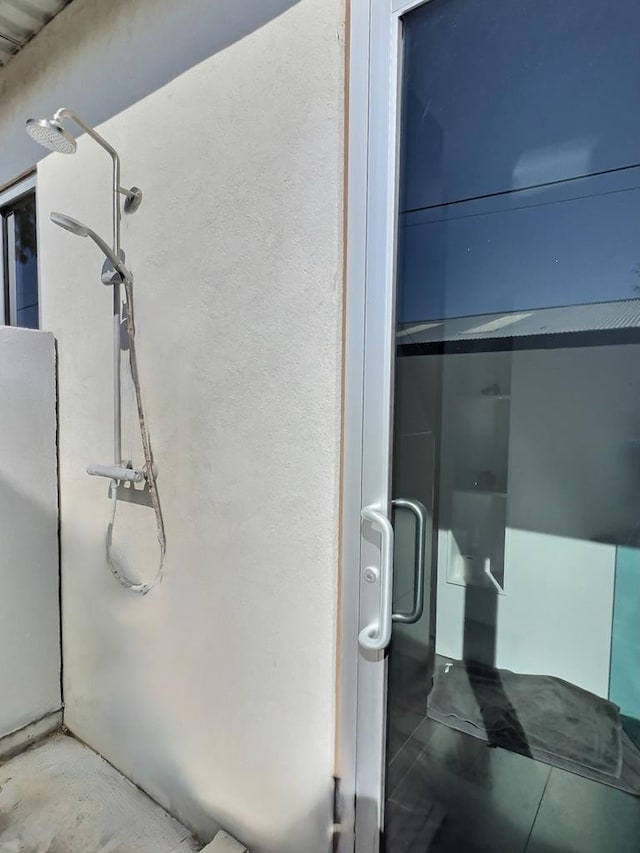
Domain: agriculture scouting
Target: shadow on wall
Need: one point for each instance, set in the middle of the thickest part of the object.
(71, 62)
(202, 798)
(29, 628)
(164, 706)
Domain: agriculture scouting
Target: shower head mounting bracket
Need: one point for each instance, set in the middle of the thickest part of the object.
(132, 198)
(109, 275)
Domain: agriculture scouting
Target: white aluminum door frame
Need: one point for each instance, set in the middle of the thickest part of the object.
(372, 163)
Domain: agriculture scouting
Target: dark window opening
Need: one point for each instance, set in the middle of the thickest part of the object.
(20, 262)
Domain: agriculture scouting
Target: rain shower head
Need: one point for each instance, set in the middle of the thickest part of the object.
(82, 230)
(51, 134)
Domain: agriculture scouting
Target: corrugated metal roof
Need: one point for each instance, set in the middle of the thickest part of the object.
(20, 20)
(597, 316)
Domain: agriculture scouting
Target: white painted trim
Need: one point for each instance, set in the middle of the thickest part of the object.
(356, 246)
(16, 190)
(401, 7)
(17, 742)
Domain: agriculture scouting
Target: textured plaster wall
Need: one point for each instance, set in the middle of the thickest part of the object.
(215, 693)
(29, 610)
(101, 56)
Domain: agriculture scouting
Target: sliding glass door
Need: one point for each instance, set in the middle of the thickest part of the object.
(513, 669)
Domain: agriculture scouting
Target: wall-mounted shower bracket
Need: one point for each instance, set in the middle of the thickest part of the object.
(133, 198)
(109, 274)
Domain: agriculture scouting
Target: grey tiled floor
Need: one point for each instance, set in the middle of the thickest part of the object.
(450, 793)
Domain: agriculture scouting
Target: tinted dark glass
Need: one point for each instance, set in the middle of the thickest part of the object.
(514, 700)
(520, 141)
(26, 263)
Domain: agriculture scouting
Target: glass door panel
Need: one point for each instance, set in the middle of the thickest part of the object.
(513, 702)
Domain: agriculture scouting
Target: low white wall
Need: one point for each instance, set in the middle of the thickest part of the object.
(215, 692)
(29, 608)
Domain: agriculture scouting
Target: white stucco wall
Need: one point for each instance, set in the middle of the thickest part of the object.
(29, 608)
(215, 693)
(101, 57)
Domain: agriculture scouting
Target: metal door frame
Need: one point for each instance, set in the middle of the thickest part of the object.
(372, 187)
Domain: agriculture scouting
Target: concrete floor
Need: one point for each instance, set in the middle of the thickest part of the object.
(60, 797)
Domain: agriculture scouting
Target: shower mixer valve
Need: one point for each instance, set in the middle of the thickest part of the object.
(122, 473)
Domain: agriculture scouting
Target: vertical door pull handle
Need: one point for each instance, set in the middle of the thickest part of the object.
(420, 513)
(376, 636)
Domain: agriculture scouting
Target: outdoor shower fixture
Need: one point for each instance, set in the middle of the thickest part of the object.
(52, 134)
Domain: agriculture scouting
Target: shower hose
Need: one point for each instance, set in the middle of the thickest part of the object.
(115, 566)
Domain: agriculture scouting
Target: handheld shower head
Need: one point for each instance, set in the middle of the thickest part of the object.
(82, 230)
(69, 224)
(51, 134)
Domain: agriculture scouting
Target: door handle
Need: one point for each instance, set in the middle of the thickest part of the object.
(376, 636)
(420, 513)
